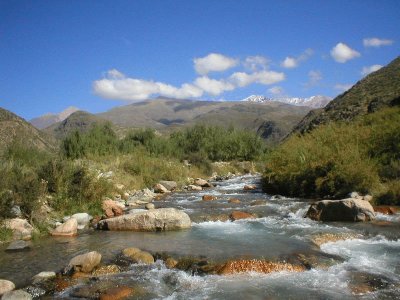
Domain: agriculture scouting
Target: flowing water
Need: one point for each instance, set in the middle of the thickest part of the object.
(340, 269)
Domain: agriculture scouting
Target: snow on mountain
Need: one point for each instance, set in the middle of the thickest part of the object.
(313, 101)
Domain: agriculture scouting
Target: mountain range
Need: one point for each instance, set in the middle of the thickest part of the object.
(312, 102)
(49, 119)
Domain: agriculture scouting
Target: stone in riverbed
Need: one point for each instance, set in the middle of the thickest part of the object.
(346, 210)
(117, 293)
(83, 219)
(169, 185)
(259, 266)
(249, 187)
(192, 187)
(234, 200)
(258, 202)
(160, 189)
(20, 227)
(106, 270)
(6, 286)
(161, 219)
(18, 245)
(138, 256)
(209, 198)
(386, 210)
(323, 238)
(43, 276)
(239, 215)
(150, 206)
(16, 295)
(112, 208)
(85, 262)
(171, 263)
(203, 183)
(69, 228)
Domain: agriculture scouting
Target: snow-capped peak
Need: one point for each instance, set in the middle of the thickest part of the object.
(313, 101)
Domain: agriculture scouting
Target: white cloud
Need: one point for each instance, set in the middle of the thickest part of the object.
(342, 87)
(117, 86)
(293, 62)
(367, 70)
(212, 86)
(289, 62)
(254, 63)
(214, 62)
(276, 90)
(242, 79)
(342, 53)
(314, 77)
(375, 42)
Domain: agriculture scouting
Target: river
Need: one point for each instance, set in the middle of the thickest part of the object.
(280, 233)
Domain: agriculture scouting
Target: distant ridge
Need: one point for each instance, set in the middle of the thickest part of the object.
(50, 119)
(312, 102)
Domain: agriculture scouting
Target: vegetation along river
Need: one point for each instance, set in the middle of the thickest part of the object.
(363, 264)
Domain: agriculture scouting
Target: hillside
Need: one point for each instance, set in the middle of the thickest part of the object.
(79, 120)
(379, 89)
(166, 115)
(14, 129)
(50, 119)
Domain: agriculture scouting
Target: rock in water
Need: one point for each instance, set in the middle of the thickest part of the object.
(17, 295)
(85, 262)
(6, 286)
(169, 185)
(18, 245)
(259, 266)
(83, 219)
(346, 210)
(20, 227)
(161, 219)
(239, 215)
(69, 228)
(159, 188)
(149, 206)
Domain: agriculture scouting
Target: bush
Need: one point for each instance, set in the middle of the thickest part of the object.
(338, 158)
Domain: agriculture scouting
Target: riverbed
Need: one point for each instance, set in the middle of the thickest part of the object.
(339, 269)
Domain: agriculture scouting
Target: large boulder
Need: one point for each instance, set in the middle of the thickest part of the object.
(169, 185)
(6, 286)
(153, 220)
(160, 189)
(346, 210)
(85, 262)
(202, 182)
(20, 227)
(69, 228)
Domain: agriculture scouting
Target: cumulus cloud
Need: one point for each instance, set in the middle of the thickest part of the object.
(117, 86)
(367, 70)
(375, 42)
(242, 79)
(255, 63)
(292, 62)
(212, 86)
(214, 62)
(342, 53)
(342, 87)
(276, 90)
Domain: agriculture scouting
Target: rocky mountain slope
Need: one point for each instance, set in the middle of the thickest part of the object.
(377, 90)
(50, 119)
(14, 129)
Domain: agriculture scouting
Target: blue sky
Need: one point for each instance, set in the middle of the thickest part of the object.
(99, 54)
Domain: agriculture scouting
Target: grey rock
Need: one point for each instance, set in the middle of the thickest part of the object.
(84, 262)
(169, 185)
(16, 295)
(346, 210)
(43, 276)
(18, 245)
(161, 219)
(16, 211)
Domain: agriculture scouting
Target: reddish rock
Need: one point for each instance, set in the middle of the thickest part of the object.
(117, 293)
(209, 198)
(159, 188)
(238, 215)
(386, 210)
(111, 208)
(234, 200)
(259, 266)
(249, 187)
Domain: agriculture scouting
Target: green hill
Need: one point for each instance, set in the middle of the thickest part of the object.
(14, 129)
(377, 90)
